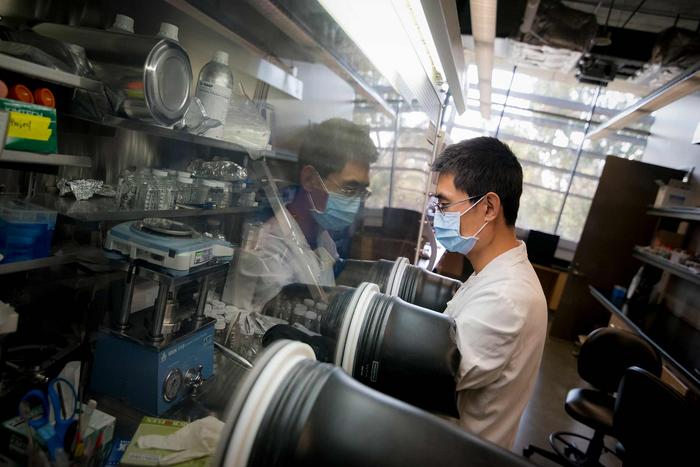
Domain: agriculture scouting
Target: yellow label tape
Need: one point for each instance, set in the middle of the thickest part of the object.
(27, 126)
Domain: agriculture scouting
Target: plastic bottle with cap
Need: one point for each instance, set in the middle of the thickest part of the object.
(220, 329)
(214, 89)
(20, 92)
(44, 96)
(123, 24)
(169, 31)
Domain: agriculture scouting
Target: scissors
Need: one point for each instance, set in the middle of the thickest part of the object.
(55, 435)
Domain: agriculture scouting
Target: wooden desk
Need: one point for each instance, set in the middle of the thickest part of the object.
(553, 281)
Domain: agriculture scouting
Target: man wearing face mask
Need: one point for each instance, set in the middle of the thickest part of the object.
(334, 159)
(500, 311)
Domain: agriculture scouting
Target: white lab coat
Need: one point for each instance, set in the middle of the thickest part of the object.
(501, 316)
(276, 261)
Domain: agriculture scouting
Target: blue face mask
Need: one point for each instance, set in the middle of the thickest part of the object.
(340, 211)
(447, 231)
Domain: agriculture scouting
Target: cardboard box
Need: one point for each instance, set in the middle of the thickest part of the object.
(30, 128)
(676, 193)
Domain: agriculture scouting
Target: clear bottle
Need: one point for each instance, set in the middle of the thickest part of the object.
(184, 191)
(220, 330)
(146, 191)
(126, 190)
(219, 193)
(214, 89)
(167, 190)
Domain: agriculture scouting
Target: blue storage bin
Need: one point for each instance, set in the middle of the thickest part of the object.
(26, 230)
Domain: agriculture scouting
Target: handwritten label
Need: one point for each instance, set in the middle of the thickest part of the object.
(27, 126)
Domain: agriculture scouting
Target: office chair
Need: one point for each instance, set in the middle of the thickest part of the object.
(654, 423)
(602, 361)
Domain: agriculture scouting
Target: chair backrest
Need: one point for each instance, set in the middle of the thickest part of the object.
(654, 423)
(608, 352)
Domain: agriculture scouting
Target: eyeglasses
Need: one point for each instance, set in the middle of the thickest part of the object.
(443, 207)
(351, 192)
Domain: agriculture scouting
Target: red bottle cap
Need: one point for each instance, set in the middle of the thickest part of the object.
(22, 93)
(3, 89)
(44, 96)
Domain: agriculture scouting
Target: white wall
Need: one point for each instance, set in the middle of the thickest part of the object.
(669, 144)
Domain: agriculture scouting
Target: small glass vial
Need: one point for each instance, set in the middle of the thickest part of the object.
(311, 321)
(299, 314)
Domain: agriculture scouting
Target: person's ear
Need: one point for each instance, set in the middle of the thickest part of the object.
(308, 178)
(493, 206)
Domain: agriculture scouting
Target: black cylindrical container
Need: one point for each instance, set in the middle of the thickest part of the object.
(395, 347)
(292, 411)
(401, 279)
(409, 353)
(427, 289)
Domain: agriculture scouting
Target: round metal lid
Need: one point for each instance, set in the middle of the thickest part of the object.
(167, 82)
(165, 227)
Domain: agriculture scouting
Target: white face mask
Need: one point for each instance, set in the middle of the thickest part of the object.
(448, 232)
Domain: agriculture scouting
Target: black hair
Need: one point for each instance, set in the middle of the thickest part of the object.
(329, 145)
(485, 164)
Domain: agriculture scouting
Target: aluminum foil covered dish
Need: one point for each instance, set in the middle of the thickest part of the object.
(84, 189)
(218, 169)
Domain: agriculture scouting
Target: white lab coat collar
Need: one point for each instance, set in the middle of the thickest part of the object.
(508, 258)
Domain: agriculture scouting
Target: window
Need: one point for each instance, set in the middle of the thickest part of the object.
(399, 176)
(545, 123)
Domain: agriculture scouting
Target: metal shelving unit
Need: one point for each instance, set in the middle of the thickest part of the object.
(102, 209)
(164, 132)
(660, 262)
(684, 213)
(21, 266)
(10, 63)
(21, 157)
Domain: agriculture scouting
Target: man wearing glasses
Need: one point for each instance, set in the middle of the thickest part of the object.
(334, 160)
(500, 311)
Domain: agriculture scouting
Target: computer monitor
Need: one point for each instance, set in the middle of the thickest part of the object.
(541, 247)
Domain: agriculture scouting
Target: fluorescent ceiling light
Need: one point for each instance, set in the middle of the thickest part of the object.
(395, 36)
(670, 92)
(483, 17)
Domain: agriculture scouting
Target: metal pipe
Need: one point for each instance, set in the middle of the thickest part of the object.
(579, 150)
(529, 16)
(122, 321)
(397, 124)
(233, 355)
(438, 124)
(202, 300)
(155, 334)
